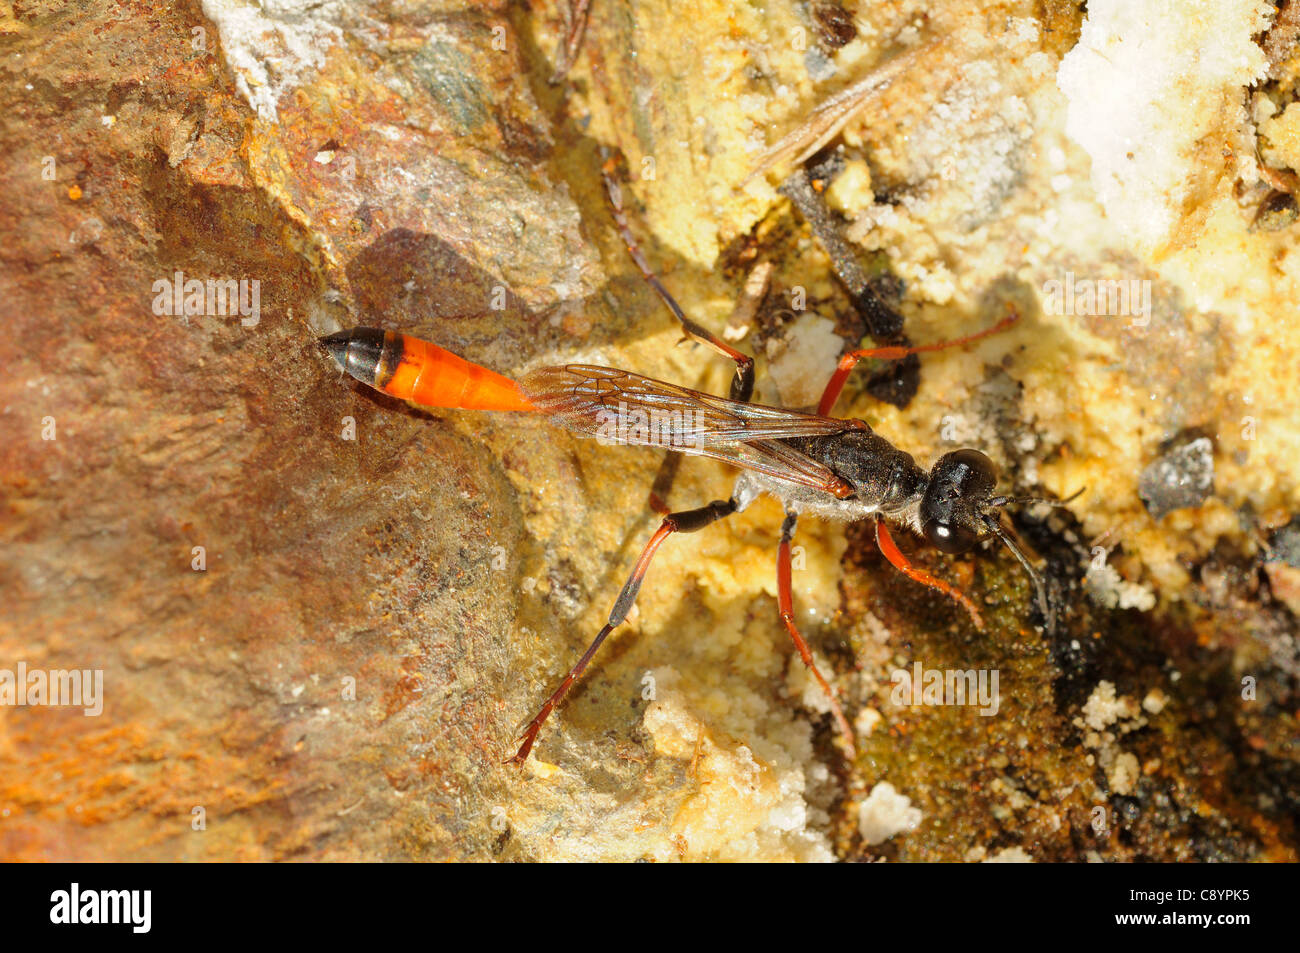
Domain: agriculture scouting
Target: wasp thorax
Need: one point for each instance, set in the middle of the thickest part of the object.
(959, 489)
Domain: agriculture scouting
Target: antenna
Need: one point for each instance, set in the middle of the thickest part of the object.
(1004, 500)
(1008, 540)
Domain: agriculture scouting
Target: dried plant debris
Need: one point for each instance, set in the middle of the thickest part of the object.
(883, 321)
(830, 118)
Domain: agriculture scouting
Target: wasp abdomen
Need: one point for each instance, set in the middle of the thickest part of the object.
(423, 373)
(368, 354)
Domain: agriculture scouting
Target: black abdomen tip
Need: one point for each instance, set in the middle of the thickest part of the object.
(358, 351)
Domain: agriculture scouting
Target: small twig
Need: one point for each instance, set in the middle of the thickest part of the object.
(829, 119)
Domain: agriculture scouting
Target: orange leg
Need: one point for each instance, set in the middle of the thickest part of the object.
(850, 360)
(891, 552)
(687, 521)
(785, 600)
(742, 385)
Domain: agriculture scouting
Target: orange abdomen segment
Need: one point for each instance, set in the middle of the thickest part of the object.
(433, 377)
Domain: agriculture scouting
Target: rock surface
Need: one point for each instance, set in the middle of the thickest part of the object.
(321, 616)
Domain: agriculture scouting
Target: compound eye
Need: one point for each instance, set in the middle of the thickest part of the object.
(948, 537)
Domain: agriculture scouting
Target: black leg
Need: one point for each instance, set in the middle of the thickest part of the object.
(663, 482)
(687, 521)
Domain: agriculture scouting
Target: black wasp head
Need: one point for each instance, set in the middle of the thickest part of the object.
(956, 500)
(959, 507)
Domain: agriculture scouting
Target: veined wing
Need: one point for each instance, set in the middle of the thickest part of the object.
(783, 462)
(627, 408)
(620, 407)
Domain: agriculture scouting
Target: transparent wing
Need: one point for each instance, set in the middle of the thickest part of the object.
(782, 462)
(620, 407)
(605, 401)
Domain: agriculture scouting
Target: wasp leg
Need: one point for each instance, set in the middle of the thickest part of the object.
(742, 385)
(891, 552)
(663, 482)
(785, 601)
(687, 521)
(850, 360)
(575, 30)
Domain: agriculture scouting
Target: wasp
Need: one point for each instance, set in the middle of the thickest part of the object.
(813, 463)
